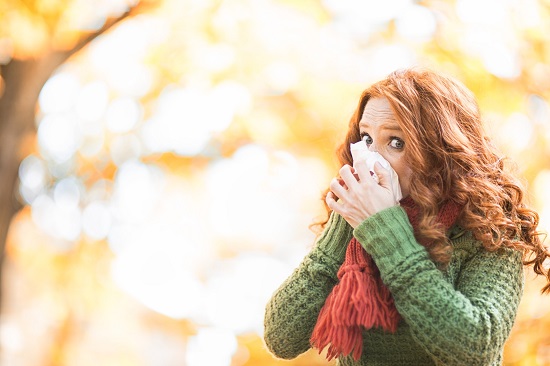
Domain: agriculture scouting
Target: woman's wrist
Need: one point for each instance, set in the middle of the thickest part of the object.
(388, 236)
(335, 238)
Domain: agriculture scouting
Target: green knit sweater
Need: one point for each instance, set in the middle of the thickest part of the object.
(459, 316)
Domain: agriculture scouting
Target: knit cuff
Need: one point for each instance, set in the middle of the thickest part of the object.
(388, 237)
(335, 238)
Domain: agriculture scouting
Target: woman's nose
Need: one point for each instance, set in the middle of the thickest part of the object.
(372, 148)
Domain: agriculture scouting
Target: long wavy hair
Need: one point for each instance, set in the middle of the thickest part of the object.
(452, 158)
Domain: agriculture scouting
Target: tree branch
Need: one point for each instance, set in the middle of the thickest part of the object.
(140, 7)
(51, 60)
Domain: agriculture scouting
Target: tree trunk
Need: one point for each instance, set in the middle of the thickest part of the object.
(23, 81)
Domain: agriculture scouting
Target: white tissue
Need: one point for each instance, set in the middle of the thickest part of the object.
(362, 155)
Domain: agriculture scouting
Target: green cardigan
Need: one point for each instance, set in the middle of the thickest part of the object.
(459, 316)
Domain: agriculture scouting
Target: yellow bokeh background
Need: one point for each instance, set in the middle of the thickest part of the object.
(181, 156)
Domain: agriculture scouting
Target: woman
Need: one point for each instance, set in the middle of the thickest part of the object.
(432, 279)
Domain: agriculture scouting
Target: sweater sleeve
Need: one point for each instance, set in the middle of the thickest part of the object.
(292, 311)
(465, 323)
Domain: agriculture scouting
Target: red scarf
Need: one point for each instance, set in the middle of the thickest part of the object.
(360, 299)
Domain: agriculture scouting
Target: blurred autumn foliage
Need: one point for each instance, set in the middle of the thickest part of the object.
(167, 158)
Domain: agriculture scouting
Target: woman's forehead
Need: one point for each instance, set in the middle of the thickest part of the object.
(378, 112)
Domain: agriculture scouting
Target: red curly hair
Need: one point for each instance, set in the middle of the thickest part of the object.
(452, 159)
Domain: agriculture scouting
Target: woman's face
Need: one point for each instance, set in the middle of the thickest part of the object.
(381, 132)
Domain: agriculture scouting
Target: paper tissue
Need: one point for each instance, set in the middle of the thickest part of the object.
(362, 155)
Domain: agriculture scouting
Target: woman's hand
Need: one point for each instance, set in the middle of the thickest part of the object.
(356, 196)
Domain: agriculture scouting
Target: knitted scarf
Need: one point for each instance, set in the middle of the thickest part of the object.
(360, 299)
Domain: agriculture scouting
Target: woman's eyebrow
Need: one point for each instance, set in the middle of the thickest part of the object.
(388, 126)
(392, 127)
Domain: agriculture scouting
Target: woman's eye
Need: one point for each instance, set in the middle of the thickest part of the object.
(367, 139)
(397, 143)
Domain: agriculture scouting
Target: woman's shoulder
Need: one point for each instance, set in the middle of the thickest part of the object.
(468, 253)
(464, 242)
(462, 238)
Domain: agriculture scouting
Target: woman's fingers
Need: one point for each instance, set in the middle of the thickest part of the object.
(383, 175)
(338, 187)
(330, 199)
(342, 183)
(364, 174)
(347, 174)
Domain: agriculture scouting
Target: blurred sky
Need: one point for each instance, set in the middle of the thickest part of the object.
(181, 157)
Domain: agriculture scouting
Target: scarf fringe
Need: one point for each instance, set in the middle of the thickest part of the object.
(359, 300)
